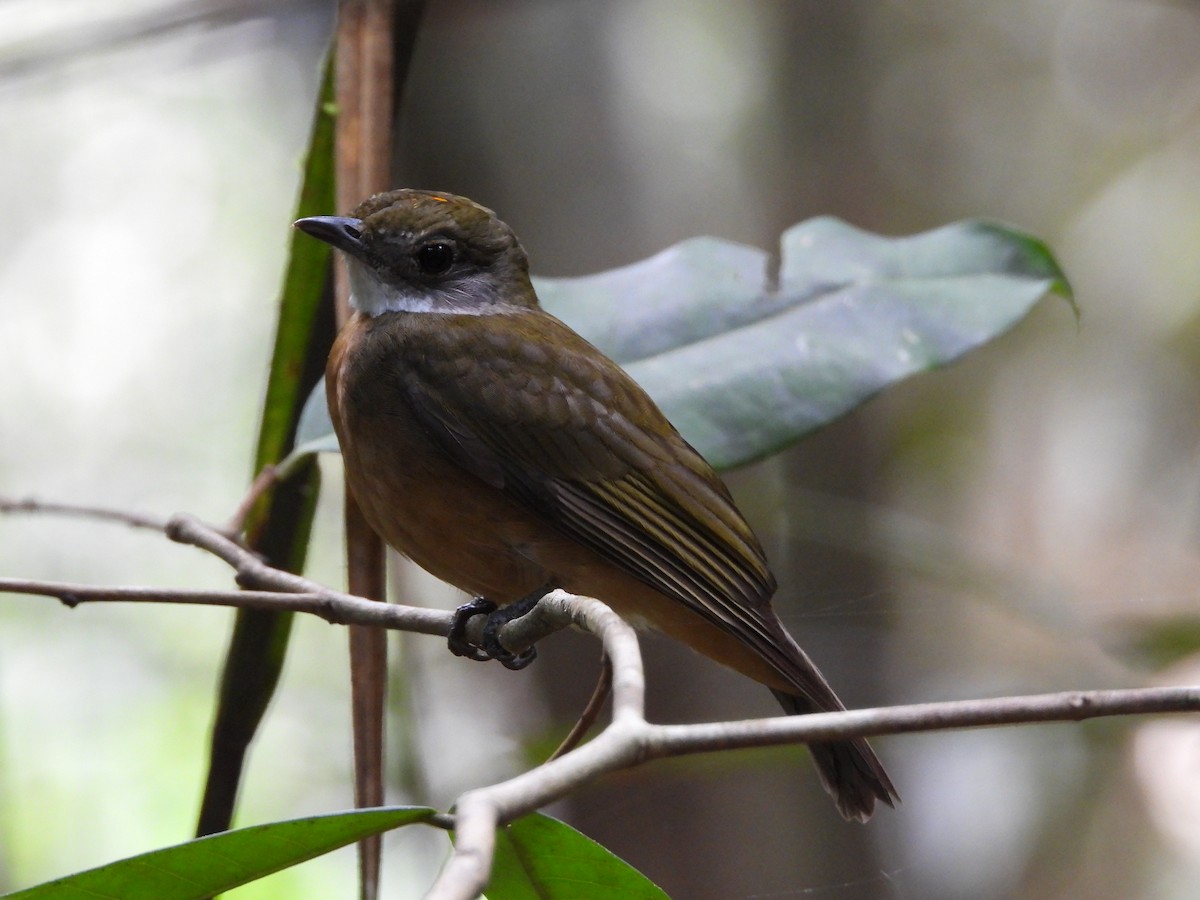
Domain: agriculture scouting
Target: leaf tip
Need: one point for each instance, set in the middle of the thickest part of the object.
(1034, 258)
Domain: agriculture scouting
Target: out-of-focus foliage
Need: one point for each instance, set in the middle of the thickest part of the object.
(147, 188)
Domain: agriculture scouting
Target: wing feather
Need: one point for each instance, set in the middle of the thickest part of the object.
(589, 451)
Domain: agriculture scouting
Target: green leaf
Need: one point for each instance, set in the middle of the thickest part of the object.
(209, 865)
(540, 858)
(743, 367)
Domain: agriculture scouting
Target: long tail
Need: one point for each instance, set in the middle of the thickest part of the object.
(850, 771)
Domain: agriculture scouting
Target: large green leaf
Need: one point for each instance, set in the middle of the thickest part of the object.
(540, 858)
(744, 366)
(209, 865)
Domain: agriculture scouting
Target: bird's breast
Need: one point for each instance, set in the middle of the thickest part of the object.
(412, 493)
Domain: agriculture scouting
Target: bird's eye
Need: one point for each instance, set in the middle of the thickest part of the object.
(436, 257)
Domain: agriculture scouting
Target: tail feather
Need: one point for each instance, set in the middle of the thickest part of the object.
(849, 770)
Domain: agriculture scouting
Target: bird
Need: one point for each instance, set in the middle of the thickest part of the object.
(502, 452)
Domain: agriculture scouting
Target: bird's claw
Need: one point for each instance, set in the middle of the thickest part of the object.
(491, 648)
(457, 640)
(504, 656)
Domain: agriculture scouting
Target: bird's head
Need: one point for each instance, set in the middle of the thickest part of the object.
(427, 251)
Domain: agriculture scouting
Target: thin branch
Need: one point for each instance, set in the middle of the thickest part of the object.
(267, 588)
(1065, 706)
(333, 607)
(32, 506)
(73, 594)
(249, 570)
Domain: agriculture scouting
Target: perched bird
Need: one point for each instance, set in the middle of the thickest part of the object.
(503, 453)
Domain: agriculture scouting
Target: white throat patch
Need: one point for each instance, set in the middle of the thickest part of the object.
(373, 297)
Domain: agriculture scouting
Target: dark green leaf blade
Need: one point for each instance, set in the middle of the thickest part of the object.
(540, 858)
(209, 865)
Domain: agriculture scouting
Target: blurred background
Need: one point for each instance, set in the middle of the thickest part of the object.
(1023, 521)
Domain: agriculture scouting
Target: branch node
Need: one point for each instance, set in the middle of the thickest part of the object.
(177, 528)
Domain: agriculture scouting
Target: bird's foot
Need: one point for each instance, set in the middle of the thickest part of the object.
(501, 617)
(457, 640)
(491, 648)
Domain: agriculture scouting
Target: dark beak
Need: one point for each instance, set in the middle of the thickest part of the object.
(341, 232)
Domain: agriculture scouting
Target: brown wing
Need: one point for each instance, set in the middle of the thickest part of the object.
(554, 424)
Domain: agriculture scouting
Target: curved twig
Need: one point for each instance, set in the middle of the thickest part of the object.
(590, 713)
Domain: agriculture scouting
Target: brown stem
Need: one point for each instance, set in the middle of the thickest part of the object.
(590, 712)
